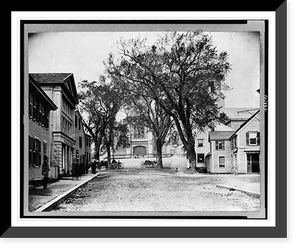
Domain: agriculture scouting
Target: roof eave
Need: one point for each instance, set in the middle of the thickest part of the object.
(50, 104)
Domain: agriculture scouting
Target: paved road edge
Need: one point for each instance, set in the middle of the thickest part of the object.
(51, 204)
(254, 194)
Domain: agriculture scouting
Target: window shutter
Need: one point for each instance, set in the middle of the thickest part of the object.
(39, 153)
(247, 138)
(258, 138)
(30, 105)
(217, 145)
(31, 148)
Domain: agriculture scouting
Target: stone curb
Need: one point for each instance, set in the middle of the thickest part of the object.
(254, 194)
(51, 204)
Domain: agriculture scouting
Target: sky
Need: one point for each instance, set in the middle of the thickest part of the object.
(83, 53)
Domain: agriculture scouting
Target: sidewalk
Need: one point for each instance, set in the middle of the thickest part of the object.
(39, 197)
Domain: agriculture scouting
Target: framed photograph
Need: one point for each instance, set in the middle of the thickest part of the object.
(149, 124)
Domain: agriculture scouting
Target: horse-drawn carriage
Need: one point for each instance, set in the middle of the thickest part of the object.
(112, 166)
(148, 164)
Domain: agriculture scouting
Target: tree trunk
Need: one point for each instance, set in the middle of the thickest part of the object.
(159, 154)
(191, 156)
(108, 153)
(97, 148)
(190, 152)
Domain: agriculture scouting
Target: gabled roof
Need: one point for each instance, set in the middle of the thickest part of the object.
(50, 78)
(57, 79)
(223, 127)
(35, 88)
(245, 123)
(239, 113)
(220, 135)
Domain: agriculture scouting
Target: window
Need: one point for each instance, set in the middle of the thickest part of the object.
(200, 142)
(38, 111)
(87, 142)
(35, 108)
(80, 142)
(79, 124)
(31, 150)
(30, 105)
(38, 149)
(35, 154)
(233, 143)
(220, 145)
(252, 138)
(75, 121)
(46, 122)
(41, 113)
(44, 149)
(200, 158)
(221, 161)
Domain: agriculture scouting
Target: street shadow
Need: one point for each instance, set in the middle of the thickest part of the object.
(41, 192)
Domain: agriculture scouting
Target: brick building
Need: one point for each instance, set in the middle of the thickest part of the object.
(40, 138)
(61, 89)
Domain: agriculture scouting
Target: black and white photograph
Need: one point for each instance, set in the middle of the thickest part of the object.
(148, 125)
(163, 122)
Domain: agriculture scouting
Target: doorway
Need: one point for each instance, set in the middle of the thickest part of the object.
(253, 163)
(139, 150)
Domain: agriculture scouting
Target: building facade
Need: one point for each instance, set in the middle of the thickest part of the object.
(203, 146)
(142, 143)
(237, 150)
(245, 146)
(218, 160)
(83, 144)
(238, 116)
(40, 138)
(88, 149)
(61, 89)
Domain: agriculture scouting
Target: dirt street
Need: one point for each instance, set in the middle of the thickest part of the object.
(156, 190)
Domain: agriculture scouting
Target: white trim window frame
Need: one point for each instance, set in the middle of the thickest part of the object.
(220, 145)
(223, 164)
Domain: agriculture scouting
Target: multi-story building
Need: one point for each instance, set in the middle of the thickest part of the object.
(203, 146)
(83, 143)
(245, 145)
(88, 149)
(238, 116)
(142, 143)
(236, 150)
(218, 159)
(40, 138)
(61, 89)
